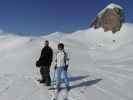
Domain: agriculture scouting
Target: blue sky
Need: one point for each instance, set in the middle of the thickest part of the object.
(40, 17)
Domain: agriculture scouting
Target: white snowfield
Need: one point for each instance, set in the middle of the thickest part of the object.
(101, 65)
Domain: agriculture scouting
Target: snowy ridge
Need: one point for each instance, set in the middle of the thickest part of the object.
(110, 6)
(100, 69)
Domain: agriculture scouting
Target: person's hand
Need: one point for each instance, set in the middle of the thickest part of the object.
(55, 67)
(37, 64)
(66, 67)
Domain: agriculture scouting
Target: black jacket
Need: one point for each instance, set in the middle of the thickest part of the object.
(46, 57)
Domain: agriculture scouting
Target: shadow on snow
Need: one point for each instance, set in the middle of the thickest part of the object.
(86, 83)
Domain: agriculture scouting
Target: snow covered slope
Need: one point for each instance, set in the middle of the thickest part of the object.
(100, 65)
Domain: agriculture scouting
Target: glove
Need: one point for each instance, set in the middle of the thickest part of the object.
(66, 68)
(55, 67)
(37, 64)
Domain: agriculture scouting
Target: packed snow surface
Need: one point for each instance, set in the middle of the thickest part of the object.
(100, 65)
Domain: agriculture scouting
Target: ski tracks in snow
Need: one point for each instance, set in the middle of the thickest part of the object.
(114, 82)
(22, 88)
(77, 92)
(100, 84)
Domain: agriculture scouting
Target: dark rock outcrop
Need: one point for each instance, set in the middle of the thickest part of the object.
(110, 18)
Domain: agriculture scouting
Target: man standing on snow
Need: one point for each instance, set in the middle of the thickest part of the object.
(44, 63)
(61, 67)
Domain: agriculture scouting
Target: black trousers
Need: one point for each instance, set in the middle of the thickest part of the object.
(45, 74)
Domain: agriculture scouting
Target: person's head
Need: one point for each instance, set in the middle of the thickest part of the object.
(60, 46)
(46, 43)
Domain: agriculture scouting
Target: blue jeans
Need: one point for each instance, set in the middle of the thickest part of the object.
(61, 74)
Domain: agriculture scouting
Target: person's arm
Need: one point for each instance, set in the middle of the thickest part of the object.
(38, 62)
(42, 54)
(50, 58)
(56, 60)
(66, 61)
(51, 55)
(66, 58)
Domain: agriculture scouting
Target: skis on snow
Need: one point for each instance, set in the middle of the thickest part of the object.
(66, 93)
(55, 92)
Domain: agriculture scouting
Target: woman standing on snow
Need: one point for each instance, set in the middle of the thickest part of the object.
(61, 67)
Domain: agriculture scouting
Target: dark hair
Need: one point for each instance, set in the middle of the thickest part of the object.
(61, 46)
(46, 41)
